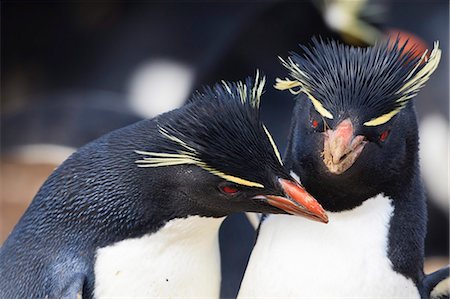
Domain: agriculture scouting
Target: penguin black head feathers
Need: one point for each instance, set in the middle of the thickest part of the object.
(354, 124)
(374, 82)
(220, 133)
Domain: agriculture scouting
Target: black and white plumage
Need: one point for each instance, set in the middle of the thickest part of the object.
(354, 144)
(137, 211)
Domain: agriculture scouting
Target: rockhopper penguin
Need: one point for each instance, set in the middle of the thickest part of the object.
(136, 212)
(354, 144)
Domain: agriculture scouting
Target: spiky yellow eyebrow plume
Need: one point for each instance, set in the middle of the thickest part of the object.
(189, 156)
(254, 97)
(275, 149)
(413, 84)
(301, 80)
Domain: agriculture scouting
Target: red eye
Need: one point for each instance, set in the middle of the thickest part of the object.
(384, 135)
(315, 124)
(229, 189)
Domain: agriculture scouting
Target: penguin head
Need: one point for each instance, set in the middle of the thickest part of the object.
(222, 159)
(354, 125)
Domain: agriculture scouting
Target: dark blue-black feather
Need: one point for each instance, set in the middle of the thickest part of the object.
(213, 135)
(345, 78)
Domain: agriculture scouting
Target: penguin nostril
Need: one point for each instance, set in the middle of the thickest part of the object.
(343, 157)
(339, 156)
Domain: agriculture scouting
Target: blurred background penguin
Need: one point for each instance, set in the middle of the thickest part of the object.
(72, 71)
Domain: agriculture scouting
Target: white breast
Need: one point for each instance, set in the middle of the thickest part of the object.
(346, 258)
(179, 260)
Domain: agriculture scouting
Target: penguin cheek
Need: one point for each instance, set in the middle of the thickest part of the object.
(368, 164)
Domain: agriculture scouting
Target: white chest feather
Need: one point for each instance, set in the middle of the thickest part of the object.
(179, 260)
(346, 258)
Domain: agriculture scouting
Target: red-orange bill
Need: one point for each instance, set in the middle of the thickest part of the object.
(298, 202)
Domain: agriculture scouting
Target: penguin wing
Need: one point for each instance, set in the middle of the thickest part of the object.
(436, 285)
(73, 288)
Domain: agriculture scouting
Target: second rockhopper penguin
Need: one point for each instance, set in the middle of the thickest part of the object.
(354, 143)
(136, 213)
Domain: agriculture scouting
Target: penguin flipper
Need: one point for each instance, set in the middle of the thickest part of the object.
(74, 288)
(436, 284)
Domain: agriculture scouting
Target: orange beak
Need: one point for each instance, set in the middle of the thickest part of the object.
(341, 148)
(297, 202)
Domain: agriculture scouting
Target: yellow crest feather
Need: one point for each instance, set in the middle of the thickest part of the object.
(413, 84)
(155, 159)
(300, 81)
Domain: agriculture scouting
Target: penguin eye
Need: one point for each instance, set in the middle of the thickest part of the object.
(316, 121)
(317, 124)
(228, 189)
(384, 135)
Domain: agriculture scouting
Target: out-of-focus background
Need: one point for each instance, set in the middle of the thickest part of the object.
(72, 71)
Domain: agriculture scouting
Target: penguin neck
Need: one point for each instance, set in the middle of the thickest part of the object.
(161, 264)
